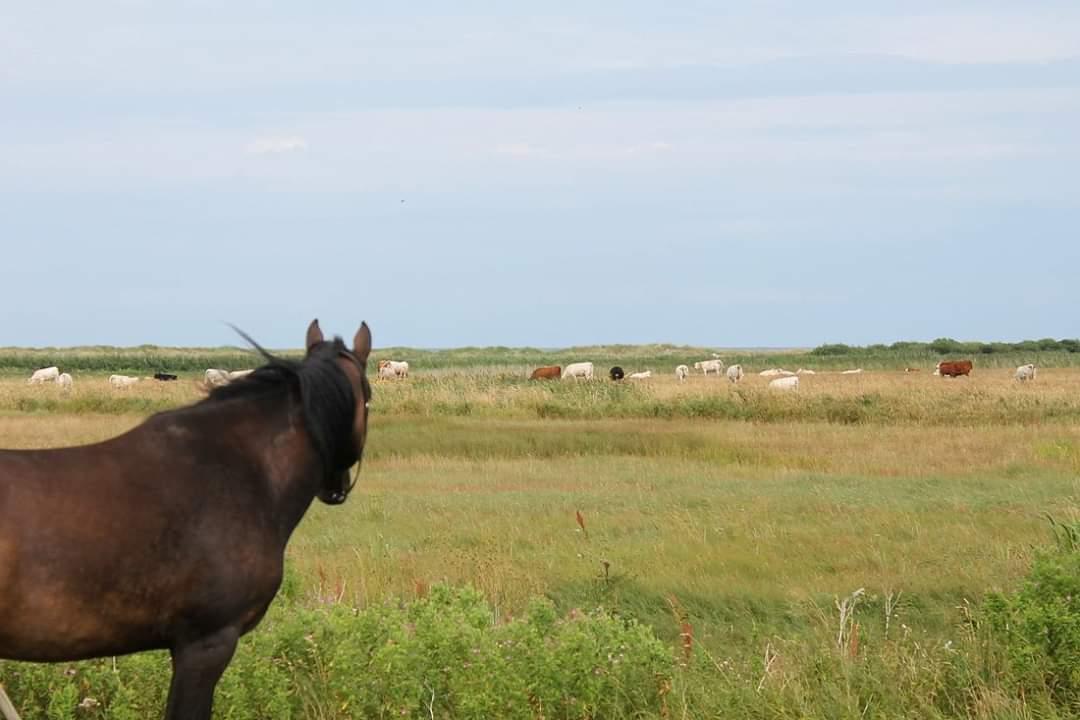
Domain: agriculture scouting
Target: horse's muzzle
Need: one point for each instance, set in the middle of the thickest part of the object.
(334, 498)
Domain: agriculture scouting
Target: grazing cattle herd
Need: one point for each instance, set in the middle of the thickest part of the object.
(780, 379)
(211, 378)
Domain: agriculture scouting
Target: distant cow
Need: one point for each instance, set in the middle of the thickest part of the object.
(164, 377)
(705, 366)
(856, 371)
(64, 381)
(681, 372)
(645, 375)
(386, 372)
(910, 369)
(616, 373)
(122, 381)
(785, 383)
(400, 368)
(1025, 372)
(216, 378)
(953, 368)
(578, 370)
(44, 375)
(735, 373)
(775, 372)
(805, 371)
(550, 372)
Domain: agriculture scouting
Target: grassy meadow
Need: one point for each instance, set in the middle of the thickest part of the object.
(824, 553)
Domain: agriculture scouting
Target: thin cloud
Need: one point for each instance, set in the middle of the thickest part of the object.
(277, 145)
(519, 150)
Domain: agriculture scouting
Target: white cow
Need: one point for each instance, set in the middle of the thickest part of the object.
(856, 371)
(705, 366)
(1025, 372)
(776, 372)
(237, 374)
(578, 370)
(44, 375)
(785, 383)
(681, 372)
(805, 371)
(735, 373)
(64, 381)
(216, 378)
(644, 375)
(122, 381)
(389, 369)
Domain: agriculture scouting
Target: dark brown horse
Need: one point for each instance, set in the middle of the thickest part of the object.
(173, 534)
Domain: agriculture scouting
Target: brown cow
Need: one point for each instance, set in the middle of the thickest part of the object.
(954, 368)
(551, 372)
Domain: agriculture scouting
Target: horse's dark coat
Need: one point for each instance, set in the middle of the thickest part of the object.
(173, 534)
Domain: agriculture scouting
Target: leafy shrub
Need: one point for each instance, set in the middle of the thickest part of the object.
(831, 349)
(944, 346)
(1038, 626)
(441, 655)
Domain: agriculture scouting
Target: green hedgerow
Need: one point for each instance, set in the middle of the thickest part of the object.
(442, 656)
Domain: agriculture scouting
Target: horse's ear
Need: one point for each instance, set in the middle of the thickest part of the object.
(362, 343)
(314, 335)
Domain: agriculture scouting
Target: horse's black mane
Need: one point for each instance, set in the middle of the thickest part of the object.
(325, 391)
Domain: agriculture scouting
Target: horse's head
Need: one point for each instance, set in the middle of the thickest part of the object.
(354, 364)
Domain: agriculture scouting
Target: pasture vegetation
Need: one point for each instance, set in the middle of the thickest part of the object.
(872, 546)
(146, 359)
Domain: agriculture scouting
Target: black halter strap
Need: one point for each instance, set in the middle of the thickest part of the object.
(351, 356)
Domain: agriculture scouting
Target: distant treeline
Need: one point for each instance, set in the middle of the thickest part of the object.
(948, 346)
(147, 359)
(142, 360)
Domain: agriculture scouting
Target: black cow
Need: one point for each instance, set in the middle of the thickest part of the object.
(616, 373)
(164, 377)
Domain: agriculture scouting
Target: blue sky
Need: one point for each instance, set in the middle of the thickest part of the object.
(760, 174)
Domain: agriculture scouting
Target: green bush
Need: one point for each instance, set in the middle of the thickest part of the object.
(832, 349)
(442, 655)
(944, 346)
(1038, 626)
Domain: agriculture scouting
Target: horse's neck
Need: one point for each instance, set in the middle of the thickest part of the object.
(269, 436)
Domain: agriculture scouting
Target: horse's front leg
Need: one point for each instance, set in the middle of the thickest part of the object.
(197, 667)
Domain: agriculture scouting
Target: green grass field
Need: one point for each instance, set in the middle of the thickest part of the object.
(734, 519)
